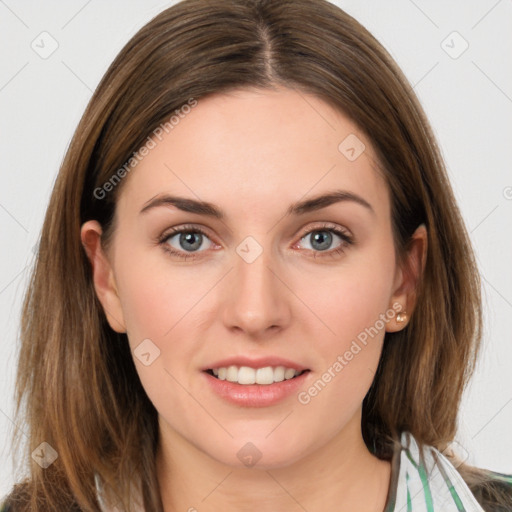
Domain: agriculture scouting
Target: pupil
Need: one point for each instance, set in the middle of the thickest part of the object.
(188, 237)
(321, 236)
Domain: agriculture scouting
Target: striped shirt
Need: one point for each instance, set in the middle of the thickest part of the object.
(419, 483)
(429, 483)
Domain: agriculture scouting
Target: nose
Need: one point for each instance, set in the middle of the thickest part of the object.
(257, 297)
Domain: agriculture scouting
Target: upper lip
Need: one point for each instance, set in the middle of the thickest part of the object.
(259, 362)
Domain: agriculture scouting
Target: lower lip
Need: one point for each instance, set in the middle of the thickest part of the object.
(255, 395)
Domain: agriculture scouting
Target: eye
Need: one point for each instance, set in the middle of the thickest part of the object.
(321, 238)
(187, 239)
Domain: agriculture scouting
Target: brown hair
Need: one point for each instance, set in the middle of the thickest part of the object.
(77, 386)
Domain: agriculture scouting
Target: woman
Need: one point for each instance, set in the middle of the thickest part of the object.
(255, 370)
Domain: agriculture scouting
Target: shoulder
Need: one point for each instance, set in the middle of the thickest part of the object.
(495, 492)
(22, 496)
(17, 499)
(427, 478)
(6, 502)
(5, 506)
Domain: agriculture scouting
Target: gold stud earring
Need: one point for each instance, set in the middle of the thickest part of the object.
(401, 317)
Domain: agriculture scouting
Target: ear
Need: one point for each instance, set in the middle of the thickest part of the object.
(103, 275)
(406, 280)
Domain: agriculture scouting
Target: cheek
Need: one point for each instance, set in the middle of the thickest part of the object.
(155, 295)
(351, 298)
(352, 303)
(160, 304)
(349, 350)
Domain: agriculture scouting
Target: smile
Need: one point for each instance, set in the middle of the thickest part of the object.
(246, 375)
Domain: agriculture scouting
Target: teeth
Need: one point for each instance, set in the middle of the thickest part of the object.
(247, 375)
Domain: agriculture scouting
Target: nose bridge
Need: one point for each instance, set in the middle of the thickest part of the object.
(257, 299)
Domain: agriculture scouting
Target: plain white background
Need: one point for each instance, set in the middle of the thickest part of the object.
(467, 96)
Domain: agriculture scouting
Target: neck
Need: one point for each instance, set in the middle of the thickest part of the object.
(340, 476)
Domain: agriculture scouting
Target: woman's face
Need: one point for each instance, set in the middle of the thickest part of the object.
(268, 284)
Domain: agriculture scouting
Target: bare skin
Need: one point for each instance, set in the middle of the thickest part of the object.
(253, 154)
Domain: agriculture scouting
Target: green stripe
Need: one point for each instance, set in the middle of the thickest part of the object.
(504, 479)
(426, 486)
(409, 503)
(501, 477)
(424, 480)
(453, 492)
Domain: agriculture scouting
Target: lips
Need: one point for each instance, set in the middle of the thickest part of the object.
(255, 395)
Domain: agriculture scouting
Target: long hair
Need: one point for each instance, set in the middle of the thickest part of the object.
(77, 387)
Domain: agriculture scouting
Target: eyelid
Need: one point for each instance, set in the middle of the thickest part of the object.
(184, 228)
(320, 225)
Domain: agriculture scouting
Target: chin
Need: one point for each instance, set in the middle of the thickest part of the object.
(258, 452)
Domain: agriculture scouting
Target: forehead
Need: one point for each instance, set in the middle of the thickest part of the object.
(253, 149)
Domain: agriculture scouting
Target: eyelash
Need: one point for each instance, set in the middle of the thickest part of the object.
(347, 240)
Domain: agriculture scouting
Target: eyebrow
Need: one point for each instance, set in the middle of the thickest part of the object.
(298, 208)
